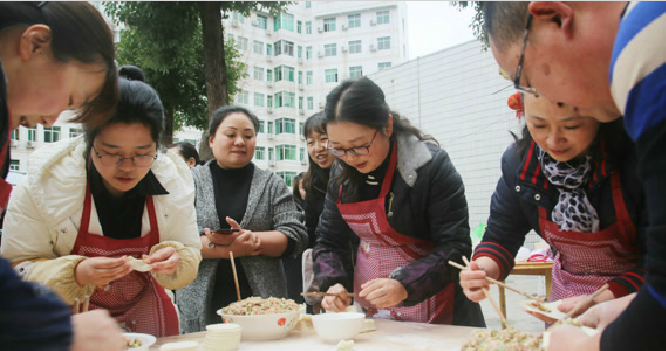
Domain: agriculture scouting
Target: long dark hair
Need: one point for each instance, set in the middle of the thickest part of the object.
(296, 191)
(315, 173)
(78, 33)
(137, 103)
(187, 151)
(361, 101)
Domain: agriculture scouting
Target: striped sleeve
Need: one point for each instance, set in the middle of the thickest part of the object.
(627, 283)
(638, 67)
(497, 253)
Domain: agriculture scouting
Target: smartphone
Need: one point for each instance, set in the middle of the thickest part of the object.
(226, 231)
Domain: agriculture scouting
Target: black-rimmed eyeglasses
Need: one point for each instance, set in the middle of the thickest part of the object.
(115, 160)
(356, 150)
(521, 60)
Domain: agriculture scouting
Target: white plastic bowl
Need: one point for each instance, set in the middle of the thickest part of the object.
(264, 327)
(338, 326)
(147, 340)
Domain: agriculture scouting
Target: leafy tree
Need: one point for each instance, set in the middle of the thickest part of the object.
(181, 48)
(477, 21)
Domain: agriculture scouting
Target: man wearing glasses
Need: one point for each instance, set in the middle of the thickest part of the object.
(607, 59)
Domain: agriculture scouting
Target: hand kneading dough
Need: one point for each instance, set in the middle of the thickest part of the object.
(138, 265)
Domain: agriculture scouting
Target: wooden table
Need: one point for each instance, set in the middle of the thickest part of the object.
(529, 268)
(389, 336)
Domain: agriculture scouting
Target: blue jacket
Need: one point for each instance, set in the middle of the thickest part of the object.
(523, 188)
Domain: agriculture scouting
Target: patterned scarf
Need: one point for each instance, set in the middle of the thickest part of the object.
(573, 211)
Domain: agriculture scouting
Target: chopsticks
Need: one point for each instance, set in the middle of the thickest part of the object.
(488, 296)
(521, 293)
(233, 268)
(82, 305)
(581, 307)
(322, 294)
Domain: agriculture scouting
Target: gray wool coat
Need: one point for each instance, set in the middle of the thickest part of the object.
(270, 206)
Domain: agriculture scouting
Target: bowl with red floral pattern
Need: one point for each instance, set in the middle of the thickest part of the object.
(262, 319)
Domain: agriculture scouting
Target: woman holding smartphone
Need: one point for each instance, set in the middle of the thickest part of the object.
(240, 209)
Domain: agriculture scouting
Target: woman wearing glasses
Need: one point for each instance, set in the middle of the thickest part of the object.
(400, 194)
(89, 204)
(241, 210)
(573, 180)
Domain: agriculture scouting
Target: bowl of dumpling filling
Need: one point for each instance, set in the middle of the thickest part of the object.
(138, 341)
(262, 319)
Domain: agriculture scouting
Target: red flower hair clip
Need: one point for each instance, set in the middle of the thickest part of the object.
(516, 103)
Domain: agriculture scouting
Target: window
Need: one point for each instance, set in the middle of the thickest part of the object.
(263, 21)
(300, 129)
(258, 47)
(259, 152)
(300, 102)
(285, 152)
(300, 77)
(354, 20)
(258, 73)
(356, 71)
(283, 72)
(289, 125)
(383, 17)
(269, 103)
(303, 155)
(308, 53)
(308, 4)
(329, 24)
(74, 132)
(270, 129)
(332, 75)
(259, 100)
(270, 153)
(284, 47)
(284, 99)
(51, 134)
(308, 27)
(238, 16)
(330, 49)
(243, 97)
(284, 21)
(298, 27)
(32, 132)
(288, 177)
(242, 43)
(383, 43)
(15, 164)
(355, 47)
(192, 141)
(261, 126)
(383, 65)
(310, 103)
(300, 51)
(269, 49)
(15, 134)
(269, 75)
(309, 78)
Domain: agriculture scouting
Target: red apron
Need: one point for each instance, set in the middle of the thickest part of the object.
(5, 188)
(137, 302)
(586, 261)
(382, 250)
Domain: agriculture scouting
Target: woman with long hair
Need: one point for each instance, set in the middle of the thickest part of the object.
(400, 194)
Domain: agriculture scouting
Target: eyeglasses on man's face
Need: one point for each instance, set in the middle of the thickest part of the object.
(356, 150)
(516, 82)
(116, 160)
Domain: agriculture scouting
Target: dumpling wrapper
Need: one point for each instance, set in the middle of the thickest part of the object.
(589, 331)
(552, 306)
(139, 265)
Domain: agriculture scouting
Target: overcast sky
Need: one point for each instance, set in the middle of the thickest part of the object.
(436, 25)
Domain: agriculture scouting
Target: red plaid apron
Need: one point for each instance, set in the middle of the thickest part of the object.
(137, 302)
(586, 261)
(383, 250)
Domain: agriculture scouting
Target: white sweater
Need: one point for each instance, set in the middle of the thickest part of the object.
(44, 216)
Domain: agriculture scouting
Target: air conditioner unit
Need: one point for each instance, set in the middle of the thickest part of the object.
(234, 23)
(344, 27)
(270, 112)
(373, 22)
(270, 136)
(269, 32)
(30, 144)
(304, 161)
(320, 54)
(14, 143)
(372, 48)
(255, 22)
(302, 137)
(300, 61)
(301, 112)
(271, 162)
(269, 58)
(269, 84)
(300, 86)
(343, 49)
(320, 30)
